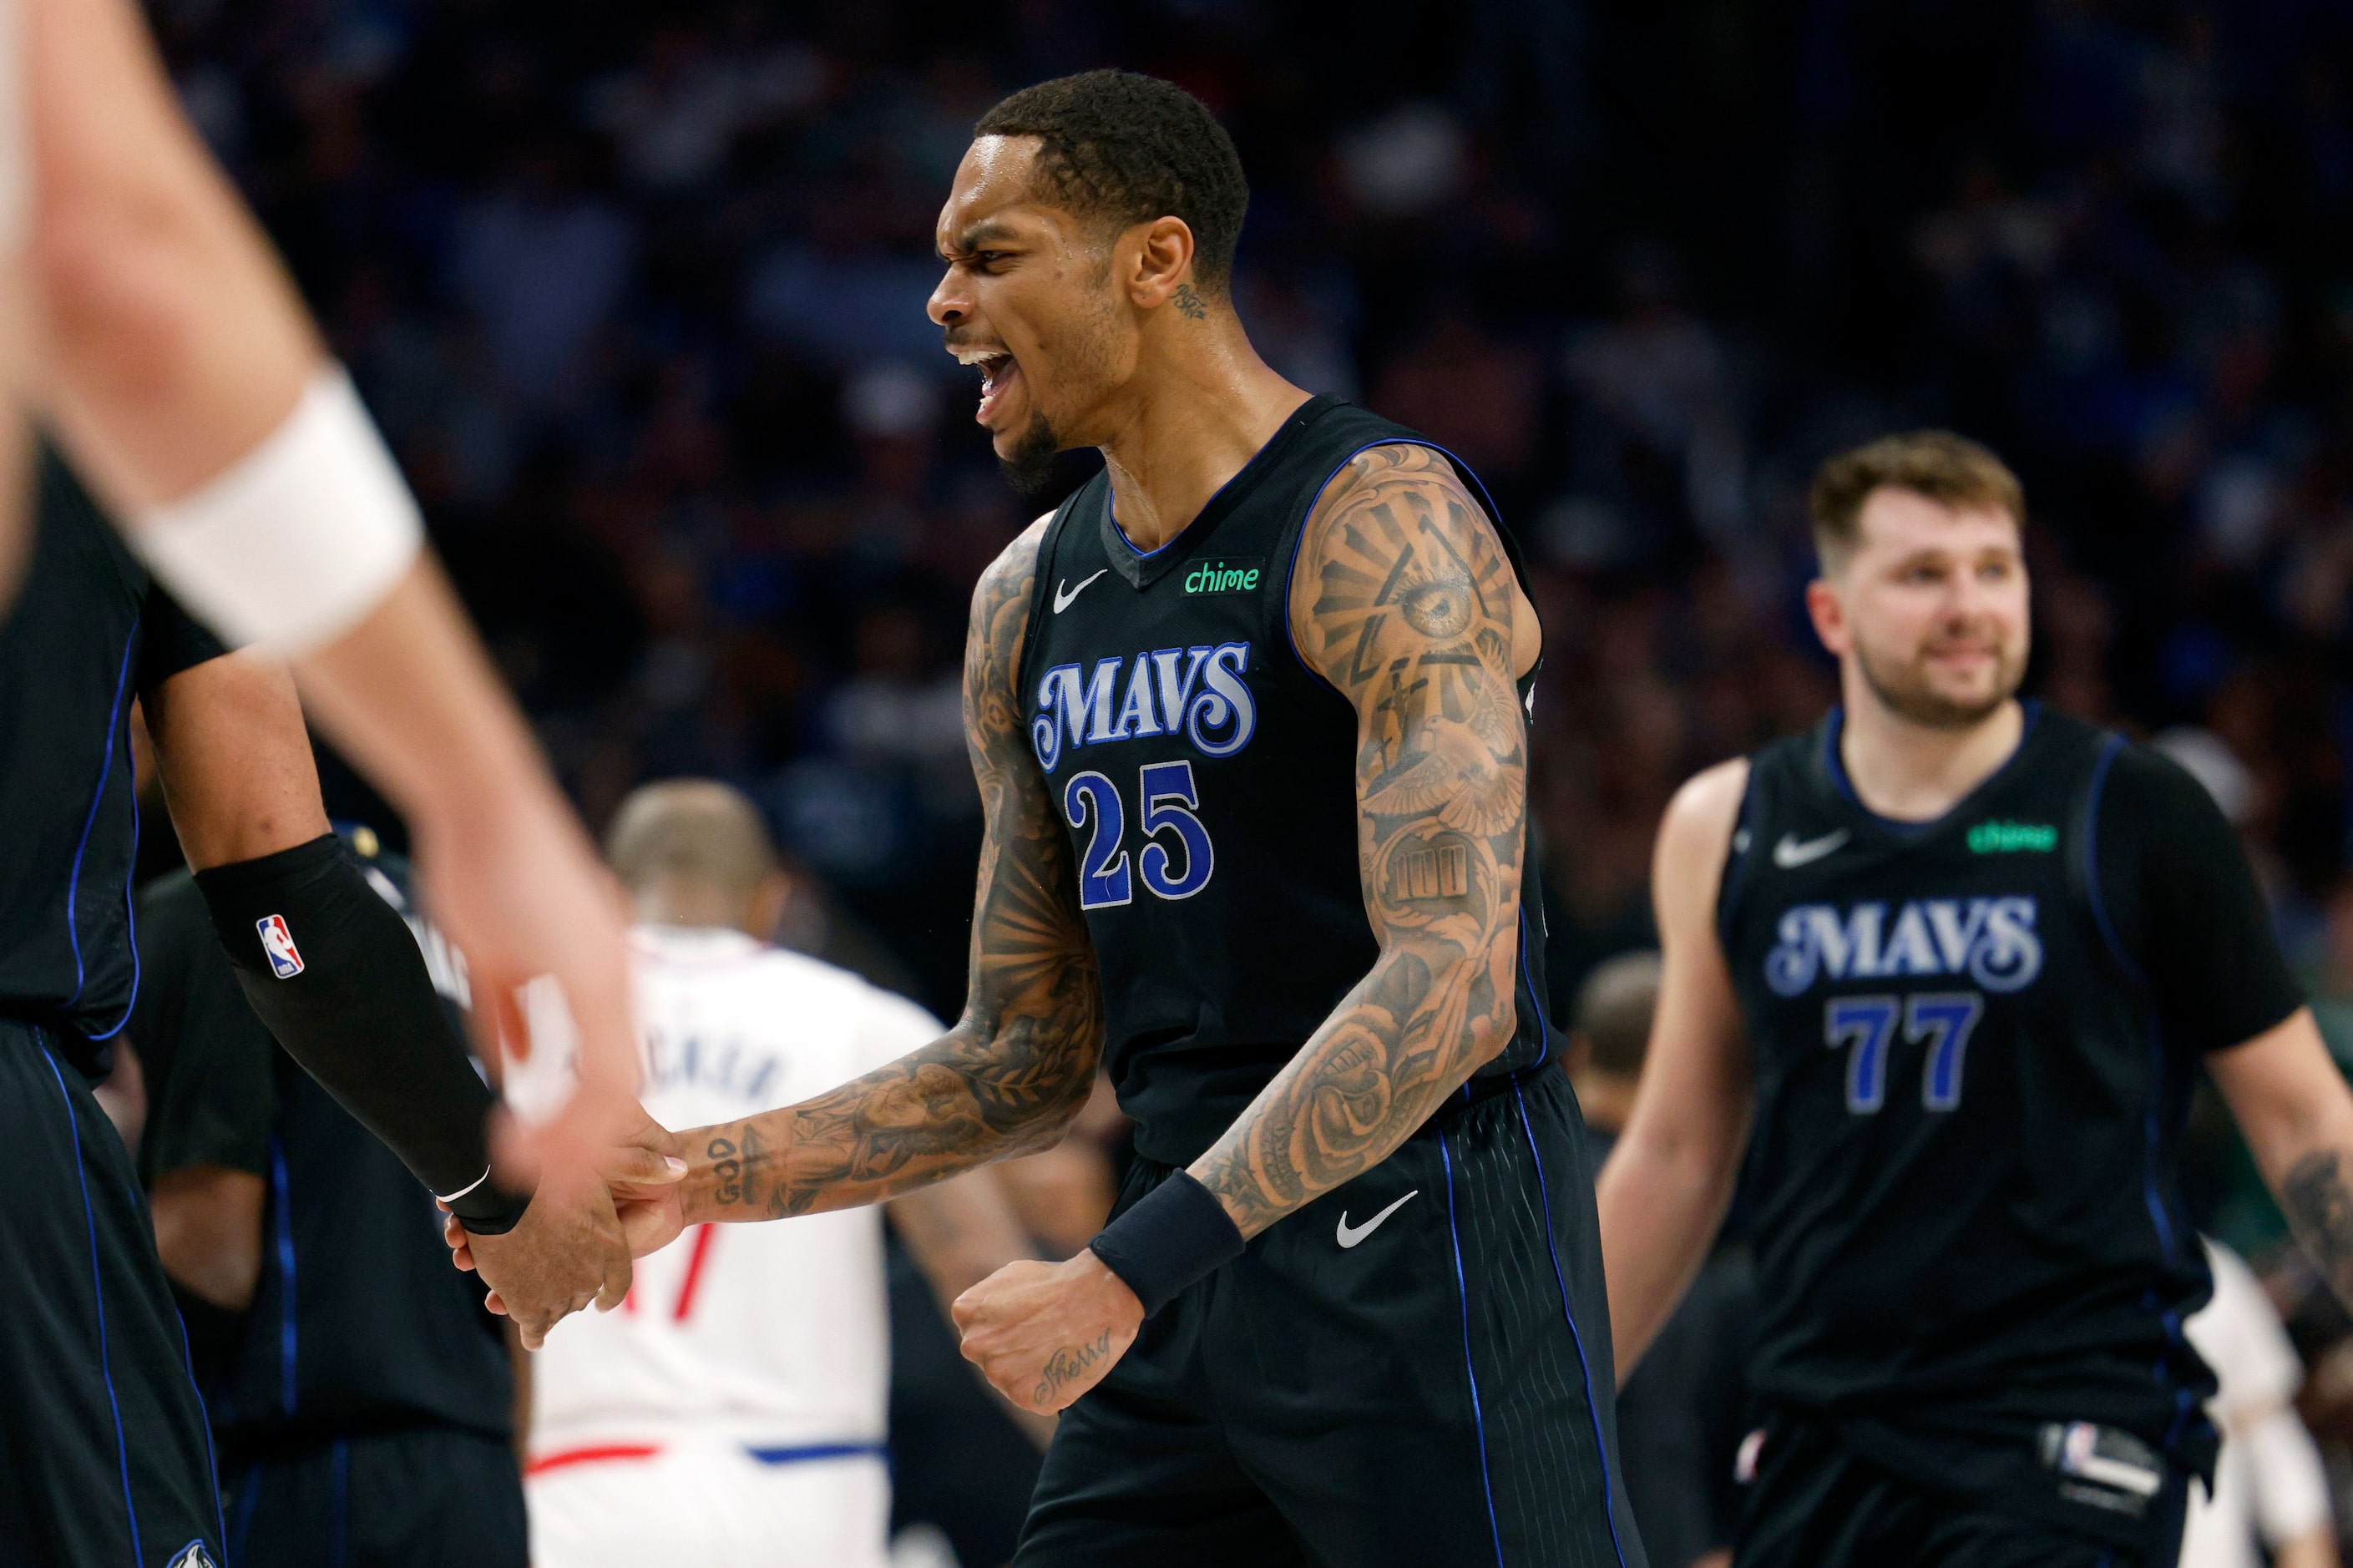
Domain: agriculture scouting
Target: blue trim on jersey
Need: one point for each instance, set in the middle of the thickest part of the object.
(98, 1294)
(283, 1224)
(1111, 513)
(2109, 749)
(2149, 1189)
(130, 901)
(2032, 711)
(1528, 982)
(1732, 878)
(1478, 1422)
(1462, 471)
(212, 1459)
(2185, 1403)
(248, 1503)
(2152, 1130)
(1592, 1408)
(98, 797)
(807, 1452)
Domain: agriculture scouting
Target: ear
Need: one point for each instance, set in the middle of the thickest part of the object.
(769, 900)
(1161, 260)
(1828, 609)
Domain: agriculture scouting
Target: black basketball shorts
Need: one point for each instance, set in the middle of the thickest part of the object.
(1412, 1369)
(105, 1460)
(429, 1497)
(1816, 1503)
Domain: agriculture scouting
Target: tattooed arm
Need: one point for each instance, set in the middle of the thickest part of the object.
(1404, 600)
(2293, 1108)
(1017, 1067)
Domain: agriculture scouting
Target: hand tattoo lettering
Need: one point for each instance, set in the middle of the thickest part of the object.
(725, 1169)
(1067, 1365)
(1404, 600)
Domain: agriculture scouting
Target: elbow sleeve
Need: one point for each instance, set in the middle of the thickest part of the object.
(334, 974)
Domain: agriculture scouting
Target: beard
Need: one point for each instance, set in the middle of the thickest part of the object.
(1906, 691)
(1029, 466)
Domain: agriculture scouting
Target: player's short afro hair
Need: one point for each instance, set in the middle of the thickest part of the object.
(1131, 148)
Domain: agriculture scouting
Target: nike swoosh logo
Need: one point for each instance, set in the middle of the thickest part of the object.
(1350, 1236)
(1063, 599)
(1792, 852)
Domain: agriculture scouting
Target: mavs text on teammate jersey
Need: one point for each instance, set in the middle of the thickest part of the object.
(1990, 941)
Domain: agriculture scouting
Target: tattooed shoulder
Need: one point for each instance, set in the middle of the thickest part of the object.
(993, 641)
(1398, 548)
(1404, 600)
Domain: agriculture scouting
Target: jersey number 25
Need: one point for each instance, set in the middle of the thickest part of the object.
(1176, 870)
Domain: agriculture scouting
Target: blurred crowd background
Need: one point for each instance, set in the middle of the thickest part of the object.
(636, 293)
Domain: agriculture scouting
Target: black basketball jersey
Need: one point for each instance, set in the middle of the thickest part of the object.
(88, 633)
(1962, 1177)
(1207, 778)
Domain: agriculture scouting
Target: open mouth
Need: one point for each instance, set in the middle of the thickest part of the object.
(998, 373)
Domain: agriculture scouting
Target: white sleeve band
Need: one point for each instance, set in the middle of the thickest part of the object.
(462, 1192)
(300, 538)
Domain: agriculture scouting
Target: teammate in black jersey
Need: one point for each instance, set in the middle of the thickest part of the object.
(1950, 965)
(358, 1393)
(1246, 713)
(104, 1457)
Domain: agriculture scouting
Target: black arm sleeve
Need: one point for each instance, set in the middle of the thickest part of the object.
(333, 971)
(210, 1067)
(2185, 905)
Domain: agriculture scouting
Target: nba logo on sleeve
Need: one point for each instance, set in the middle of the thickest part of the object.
(279, 943)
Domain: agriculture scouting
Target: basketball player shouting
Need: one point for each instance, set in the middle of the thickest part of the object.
(1247, 716)
(1950, 965)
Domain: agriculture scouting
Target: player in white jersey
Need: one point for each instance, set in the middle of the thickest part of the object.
(734, 1407)
(2269, 1482)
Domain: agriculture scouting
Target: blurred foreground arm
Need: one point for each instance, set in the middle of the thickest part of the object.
(1664, 1189)
(170, 352)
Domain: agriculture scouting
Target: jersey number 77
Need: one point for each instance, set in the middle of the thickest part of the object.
(1866, 1027)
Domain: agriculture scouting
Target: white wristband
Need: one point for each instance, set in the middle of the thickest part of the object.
(462, 1192)
(300, 538)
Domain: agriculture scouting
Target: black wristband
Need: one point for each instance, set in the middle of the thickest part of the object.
(1175, 1234)
(334, 974)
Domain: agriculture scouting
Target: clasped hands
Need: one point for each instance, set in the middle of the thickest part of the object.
(589, 1217)
(1042, 1333)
